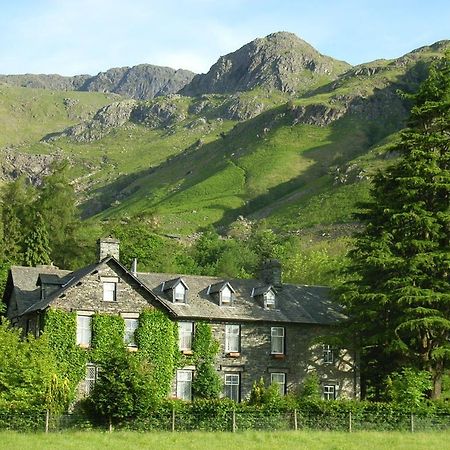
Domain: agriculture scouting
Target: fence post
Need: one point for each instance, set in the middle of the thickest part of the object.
(47, 420)
(295, 420)
(173, 418)
(412, 422)
(349, 421)
(234, 421)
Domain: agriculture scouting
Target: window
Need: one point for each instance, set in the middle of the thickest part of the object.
(269, 300)
(280, 380)
(90, 378)
(185, 330)
(109, 291)
(131, 326)
(232, 386)
(225, 296)
(328, 354)
(329, 392)
(84, 333)
(277, 340)
(184, 384)
(232, 338)
(179, 293)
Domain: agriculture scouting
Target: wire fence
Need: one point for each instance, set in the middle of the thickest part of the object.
(235, 421)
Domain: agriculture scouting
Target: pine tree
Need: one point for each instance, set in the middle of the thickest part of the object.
(57, 204)
(399, 300)
(37, 247)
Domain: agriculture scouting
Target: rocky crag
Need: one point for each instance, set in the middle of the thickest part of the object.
(144, 81)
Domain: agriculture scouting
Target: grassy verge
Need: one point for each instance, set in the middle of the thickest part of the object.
(248, 440)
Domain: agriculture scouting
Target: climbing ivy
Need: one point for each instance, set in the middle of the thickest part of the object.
(207, 383)
(60, 327)
(156, 340)
(107, 336)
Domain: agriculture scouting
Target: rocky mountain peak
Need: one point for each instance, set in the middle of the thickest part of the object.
(280, 61)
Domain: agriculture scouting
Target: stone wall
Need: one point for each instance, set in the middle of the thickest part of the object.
(302, 356)
(88, 294)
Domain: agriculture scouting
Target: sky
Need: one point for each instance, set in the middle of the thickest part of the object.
(88, 36)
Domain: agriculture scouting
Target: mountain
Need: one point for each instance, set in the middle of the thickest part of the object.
(279, 61)
(298, 155)
(144, 81)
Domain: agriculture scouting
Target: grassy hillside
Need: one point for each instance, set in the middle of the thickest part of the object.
(297, 162)
(26, 114)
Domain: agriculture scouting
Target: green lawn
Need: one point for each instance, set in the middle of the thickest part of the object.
(248, 440)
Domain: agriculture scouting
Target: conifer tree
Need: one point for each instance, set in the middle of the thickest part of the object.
(399, 300)
(37, 247)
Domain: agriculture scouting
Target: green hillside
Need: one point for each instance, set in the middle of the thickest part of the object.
(298, 162)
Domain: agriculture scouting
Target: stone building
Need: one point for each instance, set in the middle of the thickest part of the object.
(265, 328)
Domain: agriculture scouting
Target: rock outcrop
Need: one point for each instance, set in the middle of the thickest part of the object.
(280, 61)
(141, 82)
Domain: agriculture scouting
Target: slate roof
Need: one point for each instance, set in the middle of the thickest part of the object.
(24, 281)
(295, 303)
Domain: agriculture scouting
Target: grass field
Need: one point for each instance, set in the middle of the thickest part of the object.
(246, 441)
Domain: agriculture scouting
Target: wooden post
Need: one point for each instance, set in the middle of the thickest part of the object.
(349, 421)
(234, 422)
(173, 418)
(412, 422)
(110, 424)
(295, 420)
(47, 420)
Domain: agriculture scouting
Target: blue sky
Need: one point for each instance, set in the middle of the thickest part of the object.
(87, 36)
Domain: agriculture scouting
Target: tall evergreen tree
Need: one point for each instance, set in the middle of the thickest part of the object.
(37, 247)
(57, 204)
(399, 300)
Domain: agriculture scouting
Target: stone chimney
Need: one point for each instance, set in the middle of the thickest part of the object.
(270, 273)
(108, 247)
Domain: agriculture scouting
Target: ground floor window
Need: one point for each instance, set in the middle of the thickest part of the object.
(184, 384)
(280, 380)
(232, 386)
(90, 378)
(329, 391)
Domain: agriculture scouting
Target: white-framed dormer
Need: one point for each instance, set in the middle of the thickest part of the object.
(222, 292)
(266, 296)
(177, 290)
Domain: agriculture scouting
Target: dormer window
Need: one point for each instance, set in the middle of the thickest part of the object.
(225, 296)
(223, 292)
(179, 294)
(177, 290)
(269, 300)
(266, 296)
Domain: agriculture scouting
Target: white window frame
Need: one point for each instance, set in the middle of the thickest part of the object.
(177, 298)
(109, 291)
(84, 330)
(279, 378)
(232, 338)
(90, 378)
(185, 335)
(329, 391)
(232, 386)
(131, 325)
(277, 338)
(184, 385)
(328, 354)
(269, 299)
(226, 300)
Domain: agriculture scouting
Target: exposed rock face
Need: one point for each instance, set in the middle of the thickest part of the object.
(14, 164)
(279, 61)
(141, 82)
(161, 113)
(144, 81)
(107, 118)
